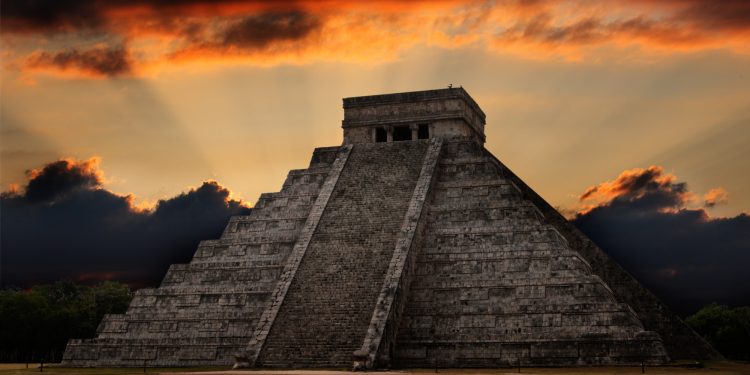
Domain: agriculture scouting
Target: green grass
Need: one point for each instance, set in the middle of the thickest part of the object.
(709, 368)
(54, 369)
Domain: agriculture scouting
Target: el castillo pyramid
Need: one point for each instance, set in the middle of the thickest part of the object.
(410, 245)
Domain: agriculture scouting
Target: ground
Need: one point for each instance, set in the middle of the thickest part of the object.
(711, 368)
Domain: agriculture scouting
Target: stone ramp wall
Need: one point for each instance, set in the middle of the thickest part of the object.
(680, 340)
(205, 311)
(496, 285)
(330, 301)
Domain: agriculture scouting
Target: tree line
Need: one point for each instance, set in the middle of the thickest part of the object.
(726, 329)
(35, 324)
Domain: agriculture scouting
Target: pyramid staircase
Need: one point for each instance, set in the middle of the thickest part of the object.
(335, 289)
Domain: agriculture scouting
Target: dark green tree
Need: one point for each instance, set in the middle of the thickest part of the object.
(36, 324)
(727, 329)
(21, 334)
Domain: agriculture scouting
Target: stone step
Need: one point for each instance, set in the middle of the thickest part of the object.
(346, 260)
(459, 219)
(211, 276)
(324, 156)
(258, 237)
(509, 207)
(205, 311)
(280, 211)
(261, 253)
(527, 279)
(225, 265)
(218, 312)
(492, 252)
(468, 159)
(264, 260)
(250, 229)
(250, 288)
(278, 202)
(476, 203)
(469, 183)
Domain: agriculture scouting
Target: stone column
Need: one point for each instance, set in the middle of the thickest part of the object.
(389, 129)
(414, 131)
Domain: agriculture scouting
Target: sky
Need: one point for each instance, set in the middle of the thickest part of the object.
(144, 102)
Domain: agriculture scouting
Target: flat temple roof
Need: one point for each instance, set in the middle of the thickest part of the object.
(413, 96)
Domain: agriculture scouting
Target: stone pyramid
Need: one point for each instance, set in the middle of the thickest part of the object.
(410, 245)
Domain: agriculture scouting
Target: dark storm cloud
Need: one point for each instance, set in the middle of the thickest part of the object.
(195, 28)
(160, 33)
(61, 177)
(97, 61)
(65, 225)
(50, 15)
(708, 14)
(260, 30)
(686, 257)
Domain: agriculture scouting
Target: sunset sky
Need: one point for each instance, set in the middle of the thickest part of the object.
(156, 96)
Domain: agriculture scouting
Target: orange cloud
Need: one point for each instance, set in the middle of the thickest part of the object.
(628, 182)
(576, 30)
(651, 184)
(69, 171)
(266, 33)
(716, 196)
(13, 188)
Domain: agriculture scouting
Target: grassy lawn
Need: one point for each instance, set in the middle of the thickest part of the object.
(710, 368)
(20, 368)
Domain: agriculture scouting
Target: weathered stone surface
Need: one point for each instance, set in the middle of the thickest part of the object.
(205, 312)
(495, 285)
(448, 113)
(335, 289)
(410, 245)
(278, 296)
(680, 340)
(380, 339)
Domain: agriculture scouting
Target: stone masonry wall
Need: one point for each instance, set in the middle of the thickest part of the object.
(680, 340)
(328, 307)
(205, 311)
(497, 286)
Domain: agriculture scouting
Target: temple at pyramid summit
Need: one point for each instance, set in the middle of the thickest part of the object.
(409, 245)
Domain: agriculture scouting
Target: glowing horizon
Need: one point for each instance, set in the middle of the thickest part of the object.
(242, 91)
